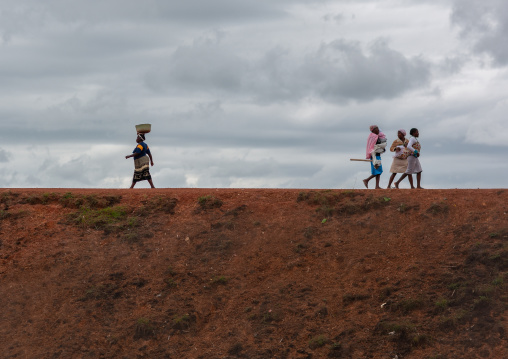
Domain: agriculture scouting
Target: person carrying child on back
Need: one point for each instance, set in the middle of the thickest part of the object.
(376, 143)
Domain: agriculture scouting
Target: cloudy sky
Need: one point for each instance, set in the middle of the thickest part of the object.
(275, 94)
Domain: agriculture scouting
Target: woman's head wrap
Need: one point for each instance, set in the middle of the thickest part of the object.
(142, 136)
(402, 131)
(372, 127)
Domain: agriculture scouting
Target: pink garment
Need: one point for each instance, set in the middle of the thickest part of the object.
(371, 142)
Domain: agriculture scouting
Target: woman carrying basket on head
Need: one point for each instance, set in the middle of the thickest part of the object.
(141, 161)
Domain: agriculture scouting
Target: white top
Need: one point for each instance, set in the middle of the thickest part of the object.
(410, 144)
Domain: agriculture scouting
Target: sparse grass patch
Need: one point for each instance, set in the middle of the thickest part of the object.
(219, 280)
(385, 293)
(310, 232)
(442, 304)
(350, 298)
(170, 282)
(162, 204)
(131, 237)
(44, 198)
(318, 342)
(236, 349)
(438, 208)
(182, 322)
(98, 219)
(8, 196)
(4, 214)
(452, 321)
(101, 291)
(208, 202)
(270, 316)
(420, 340)
(144, 328)
(335, 350)
(236, 211)
(408, 305)
(498, 281)
(481, 303)
(300, 247)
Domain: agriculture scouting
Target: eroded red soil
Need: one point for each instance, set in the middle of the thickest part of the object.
(253, 273)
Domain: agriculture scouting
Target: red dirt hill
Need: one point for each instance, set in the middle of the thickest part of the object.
(253, 273)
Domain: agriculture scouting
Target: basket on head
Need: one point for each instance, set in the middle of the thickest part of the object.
(144, 128)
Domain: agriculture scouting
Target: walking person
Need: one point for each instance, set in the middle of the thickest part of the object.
(399, 164)
(413, 161)
(376, 143)
(142, 163)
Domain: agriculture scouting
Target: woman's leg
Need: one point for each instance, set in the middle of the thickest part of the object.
(151, 183)
(392, 177)
(410, 178)
(418, 180)
(377, 181)
(404, 175)
(366, 181)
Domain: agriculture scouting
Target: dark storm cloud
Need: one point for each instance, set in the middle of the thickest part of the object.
(485, 23)
(337, 71)
(341, 70)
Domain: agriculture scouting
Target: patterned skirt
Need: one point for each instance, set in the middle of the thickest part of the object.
(141, 169)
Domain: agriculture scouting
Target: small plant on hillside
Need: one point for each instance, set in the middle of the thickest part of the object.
(452, 321)
(318, 342)
(350, 298)
(236, 349)
(143, 328)
(4, 214)
(442, 304)
(182, 322)
(98, 219)
(158, 204)
(498, 281)
(438, 208)
(44, 198)
(335, 350)
(219, 280)
(300, 247)
(208, 202)
(408, 305)
(101, 291)
(170, 282)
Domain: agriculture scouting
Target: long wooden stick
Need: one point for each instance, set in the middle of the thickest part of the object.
(357, 159)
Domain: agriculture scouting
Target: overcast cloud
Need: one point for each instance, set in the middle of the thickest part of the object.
(250, 93)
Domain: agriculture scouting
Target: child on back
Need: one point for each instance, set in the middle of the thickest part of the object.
(376, 143)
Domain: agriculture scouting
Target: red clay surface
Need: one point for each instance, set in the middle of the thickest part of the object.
(253, 273)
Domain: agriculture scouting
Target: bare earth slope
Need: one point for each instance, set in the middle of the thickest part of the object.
(253, 273)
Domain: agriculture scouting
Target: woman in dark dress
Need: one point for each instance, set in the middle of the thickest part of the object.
(142, 163)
